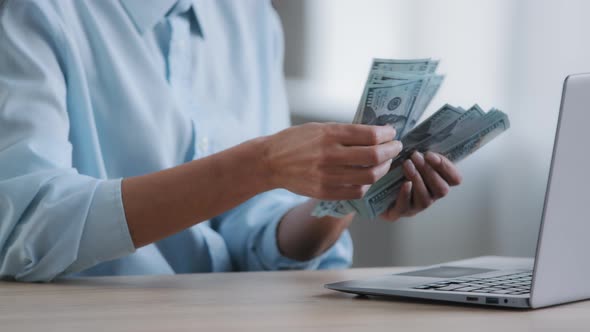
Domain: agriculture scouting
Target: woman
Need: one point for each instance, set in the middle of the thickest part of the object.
(142, 137)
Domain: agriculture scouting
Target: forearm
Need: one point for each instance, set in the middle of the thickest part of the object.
(163, 203)
(302, 237)
(315, 160)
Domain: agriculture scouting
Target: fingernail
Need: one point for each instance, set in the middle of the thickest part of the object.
(410, 166)
(365, 188)
(419, 158)
(432, 158)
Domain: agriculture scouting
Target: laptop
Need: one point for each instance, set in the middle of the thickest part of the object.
(560, 270)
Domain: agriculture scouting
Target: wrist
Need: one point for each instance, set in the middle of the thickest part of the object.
(340, 223)
(261, 163)
(303, 237)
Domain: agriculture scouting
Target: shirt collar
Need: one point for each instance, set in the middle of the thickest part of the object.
(147, 13)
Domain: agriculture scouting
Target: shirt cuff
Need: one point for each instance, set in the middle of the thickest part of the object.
(270, 255)
(106, 235)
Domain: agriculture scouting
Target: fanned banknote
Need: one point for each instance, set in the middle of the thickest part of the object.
(396, 93)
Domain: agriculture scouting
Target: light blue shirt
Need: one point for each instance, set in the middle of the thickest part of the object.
(95, 91)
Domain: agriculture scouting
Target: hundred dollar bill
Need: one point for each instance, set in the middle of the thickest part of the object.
(416, 66)
(477, 135)
(427, 92)
(390, 103)
(386, 77)
(442, 129)
(409, 66)
(426, 95)
(332, 208)
(421, 136)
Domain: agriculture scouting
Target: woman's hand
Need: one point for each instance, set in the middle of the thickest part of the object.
(330, 161)
(429, 178)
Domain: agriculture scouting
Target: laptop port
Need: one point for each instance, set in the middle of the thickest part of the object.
(472, 299)
(492, 300)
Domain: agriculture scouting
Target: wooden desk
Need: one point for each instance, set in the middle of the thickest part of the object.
(255, 301)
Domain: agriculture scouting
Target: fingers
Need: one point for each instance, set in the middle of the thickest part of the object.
(444, 167)
(437, 186)
(420, 194)
(364, 155)
(429, 179)
(358, 134)
(340, 192)
(356, 175)
(403, 204)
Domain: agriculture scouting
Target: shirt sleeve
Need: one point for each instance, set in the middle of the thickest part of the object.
(53, 220)
(250, 232)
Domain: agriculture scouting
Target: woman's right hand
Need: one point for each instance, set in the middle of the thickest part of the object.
(328, 160)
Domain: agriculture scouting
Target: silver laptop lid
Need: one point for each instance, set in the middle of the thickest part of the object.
(562, 264)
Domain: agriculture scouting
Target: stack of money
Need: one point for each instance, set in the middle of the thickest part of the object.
(451, 131)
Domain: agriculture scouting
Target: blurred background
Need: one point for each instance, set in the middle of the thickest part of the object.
(508, 54)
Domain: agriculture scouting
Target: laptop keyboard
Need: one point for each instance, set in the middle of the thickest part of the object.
(510, 284)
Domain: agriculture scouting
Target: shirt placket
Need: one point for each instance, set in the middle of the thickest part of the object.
(180, 61)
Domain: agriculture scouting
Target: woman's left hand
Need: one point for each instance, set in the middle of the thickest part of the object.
(430, 177)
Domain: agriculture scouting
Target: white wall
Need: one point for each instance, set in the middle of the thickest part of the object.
(509, 54)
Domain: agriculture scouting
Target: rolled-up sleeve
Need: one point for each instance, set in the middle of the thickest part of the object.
(250, 232)
(53, 220)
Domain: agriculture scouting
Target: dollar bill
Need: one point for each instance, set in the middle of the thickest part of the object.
(390, 104)
(432, 83)
(333, 208)
(407, 66)
(426, 95)
(420, 136)
(417, 67)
